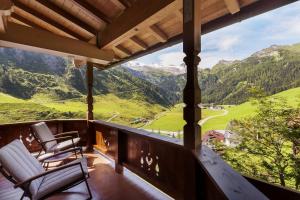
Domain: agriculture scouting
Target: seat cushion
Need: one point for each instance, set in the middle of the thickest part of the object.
(43, 133)
(62, 178)
(20, 164)
(64, 145)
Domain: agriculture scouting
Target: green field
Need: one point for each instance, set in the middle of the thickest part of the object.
(122, 111)
(172, 120)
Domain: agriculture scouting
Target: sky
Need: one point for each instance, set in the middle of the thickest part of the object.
(238, 41)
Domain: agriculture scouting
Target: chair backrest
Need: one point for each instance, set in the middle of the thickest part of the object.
(43, 133)
(20, 164)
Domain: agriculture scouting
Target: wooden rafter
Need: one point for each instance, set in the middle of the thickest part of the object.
(246, 12)
(67, 16)
(233, 6)
(123, 50)
(119, 4)
(27, 38)
(93, 10)
(135, 18)
(47, 20)
(179, 15)
(138, 42)
(159, 34)
(25, 21)
(6, 8)
(126, 3)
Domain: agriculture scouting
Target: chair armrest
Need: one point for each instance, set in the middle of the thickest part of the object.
(28, 181)
(58, 138)
(61, 152)
(69, 133)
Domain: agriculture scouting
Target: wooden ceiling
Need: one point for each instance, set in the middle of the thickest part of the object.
(126, 28)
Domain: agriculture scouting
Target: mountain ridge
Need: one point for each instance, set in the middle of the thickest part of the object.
(273, 69)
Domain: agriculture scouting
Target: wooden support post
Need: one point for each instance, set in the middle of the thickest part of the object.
(89, 100)
(191, 93)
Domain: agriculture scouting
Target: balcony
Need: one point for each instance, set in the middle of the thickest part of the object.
(128, 163)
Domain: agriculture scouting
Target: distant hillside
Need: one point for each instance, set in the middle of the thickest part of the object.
(275, 69)
(25, 74)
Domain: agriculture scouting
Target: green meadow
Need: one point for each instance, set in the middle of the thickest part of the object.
(108, 107)
(172, 120)
(124, 111)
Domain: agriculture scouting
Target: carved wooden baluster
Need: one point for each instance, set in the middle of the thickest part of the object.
(191, 93)
(90, 101)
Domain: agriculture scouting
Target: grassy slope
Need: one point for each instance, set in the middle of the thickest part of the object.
(105, 107)
(172, 120)
(17, 110)
(247, 109)
(4, 98)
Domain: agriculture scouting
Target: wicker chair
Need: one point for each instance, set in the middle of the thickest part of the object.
(27, 173)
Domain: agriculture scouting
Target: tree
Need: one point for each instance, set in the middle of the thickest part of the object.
(266, 143)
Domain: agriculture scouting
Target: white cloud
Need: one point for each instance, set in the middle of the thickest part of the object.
(227, 42)
(171, 59)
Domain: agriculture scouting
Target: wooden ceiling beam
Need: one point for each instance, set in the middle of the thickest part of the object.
(233, 6)
(126, 3)
(179, 15)
(6, 8)
(47, 20)
(68, 16)
(246, 12)
(26, 21)
(123, 50)
(27, 38)
(159, 34)
(138, 42)
(119, 4)
(139, 16)
(94, 11)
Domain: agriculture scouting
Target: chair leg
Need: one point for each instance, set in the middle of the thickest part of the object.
(47, 166)
(88, 188)
(81, 152)
(23, 195)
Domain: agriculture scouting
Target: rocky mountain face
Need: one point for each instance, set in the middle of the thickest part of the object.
(25, 74)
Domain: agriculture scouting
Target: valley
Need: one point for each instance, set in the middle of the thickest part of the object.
(37, 86)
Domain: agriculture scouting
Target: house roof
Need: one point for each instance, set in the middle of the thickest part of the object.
(116, 30)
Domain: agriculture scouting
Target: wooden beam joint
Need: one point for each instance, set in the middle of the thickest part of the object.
(159, 34)
(233, 6)
(6, 8)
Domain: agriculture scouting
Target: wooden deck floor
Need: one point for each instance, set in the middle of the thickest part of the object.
(105, 184)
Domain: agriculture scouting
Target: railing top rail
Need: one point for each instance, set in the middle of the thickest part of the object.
(232, 184)
(37, 121)
(140, 132)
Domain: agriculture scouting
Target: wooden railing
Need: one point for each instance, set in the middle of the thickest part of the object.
(161, 161)
(165, 163)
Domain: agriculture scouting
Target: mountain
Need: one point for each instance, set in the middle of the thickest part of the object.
(274, 69)
(26, 74)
